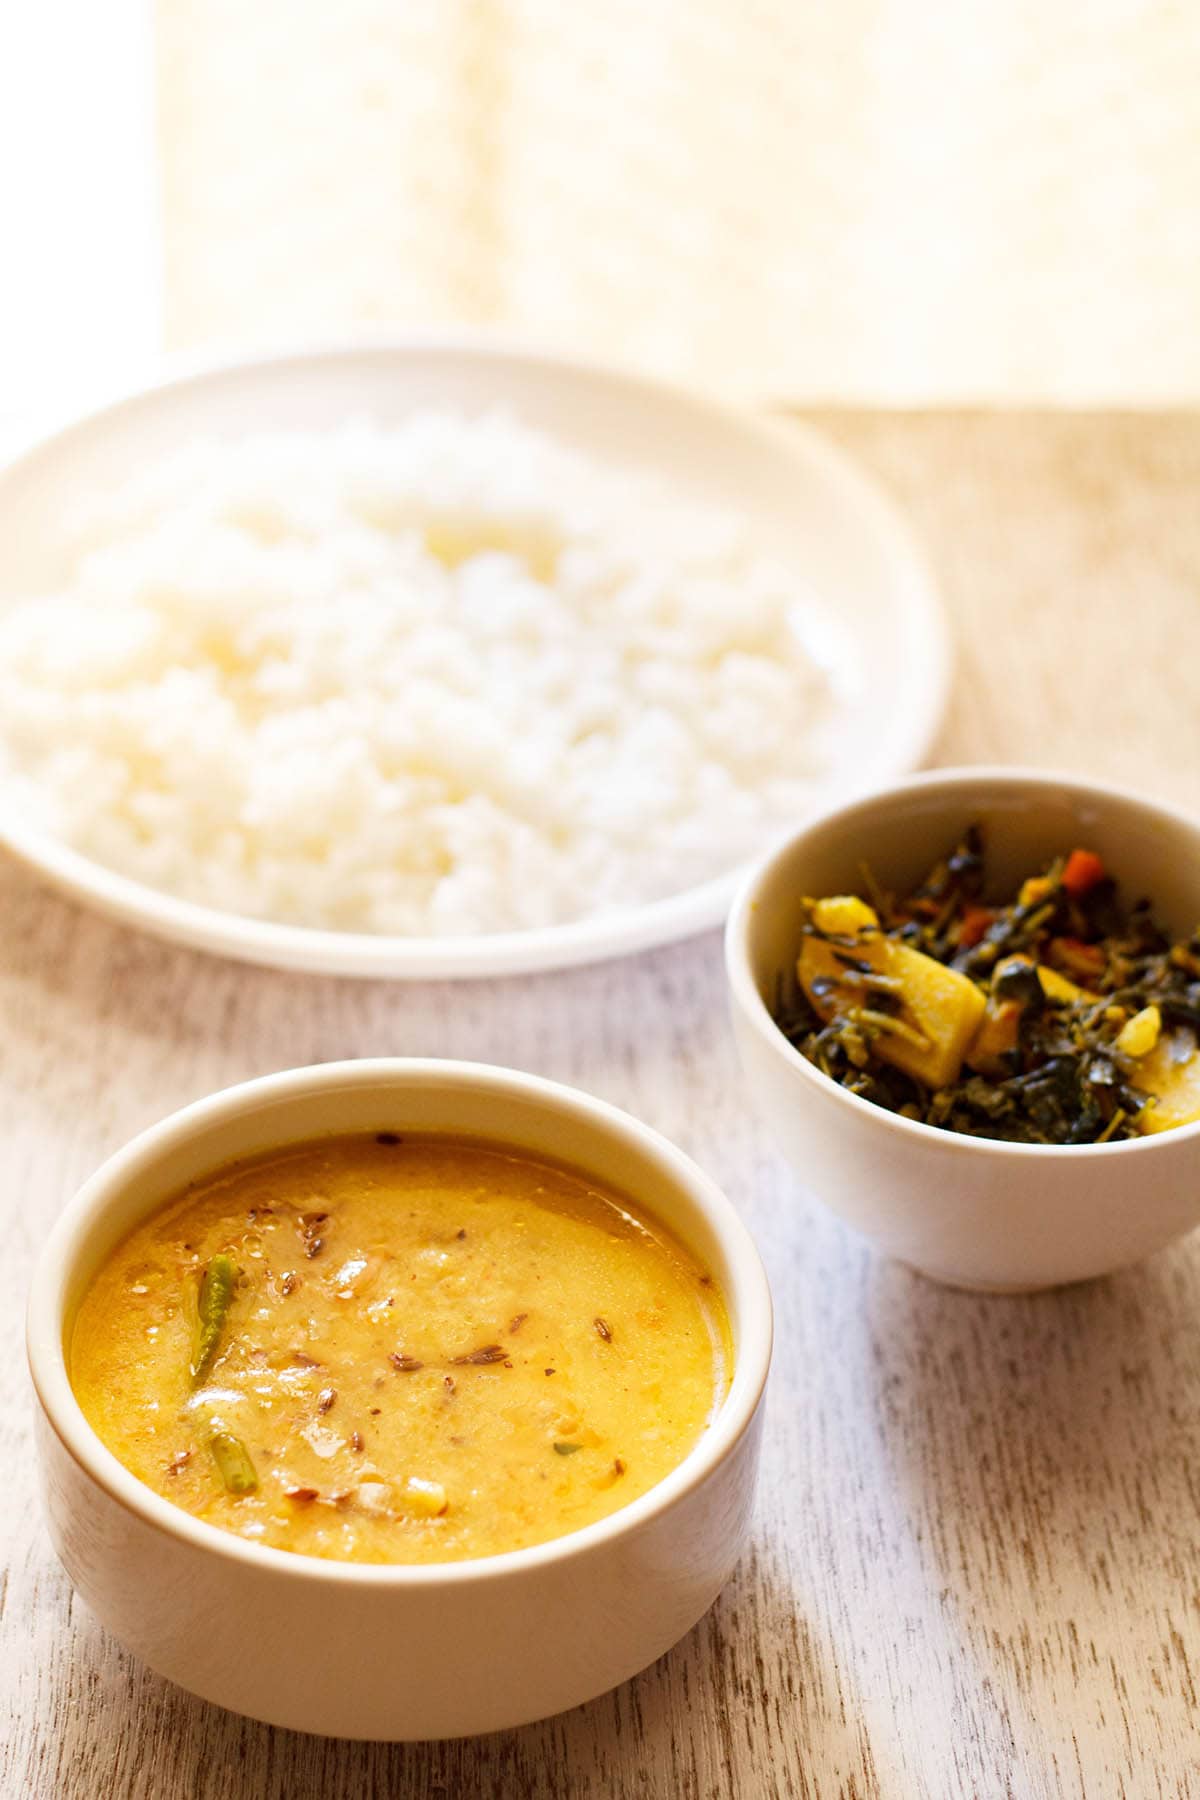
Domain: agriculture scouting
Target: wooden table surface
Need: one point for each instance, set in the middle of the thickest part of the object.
(976, 1562)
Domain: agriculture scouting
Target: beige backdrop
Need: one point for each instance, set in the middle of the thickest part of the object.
(870, 200)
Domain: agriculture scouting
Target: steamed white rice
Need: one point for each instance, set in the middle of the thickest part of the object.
(445, 677)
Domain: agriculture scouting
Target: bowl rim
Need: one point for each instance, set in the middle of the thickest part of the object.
(47, 1361)
(673, 917)
(749, 1002)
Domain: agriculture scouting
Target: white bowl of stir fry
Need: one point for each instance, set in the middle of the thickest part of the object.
(969, 1007)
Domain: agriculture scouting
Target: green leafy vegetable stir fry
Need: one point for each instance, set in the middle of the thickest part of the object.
(1059, 1016)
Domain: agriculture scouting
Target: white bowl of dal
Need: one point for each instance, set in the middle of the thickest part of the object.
(398, 1650)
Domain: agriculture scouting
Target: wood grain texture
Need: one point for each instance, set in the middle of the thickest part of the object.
(976, 1563)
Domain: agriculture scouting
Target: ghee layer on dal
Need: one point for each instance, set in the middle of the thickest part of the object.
(400, 1350)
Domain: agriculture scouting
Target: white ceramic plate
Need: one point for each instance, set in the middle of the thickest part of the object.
(809, 507)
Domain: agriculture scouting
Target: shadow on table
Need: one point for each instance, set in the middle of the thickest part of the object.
(1041, 1450)
(183, 1022)
(704, 1720)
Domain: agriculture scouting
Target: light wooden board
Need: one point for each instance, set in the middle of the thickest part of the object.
(976, 1562)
